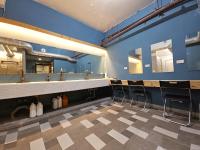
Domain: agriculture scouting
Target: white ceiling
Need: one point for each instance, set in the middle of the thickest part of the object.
(99, 14)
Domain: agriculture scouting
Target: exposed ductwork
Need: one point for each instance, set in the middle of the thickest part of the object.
(146, 18)
(8, 50)
(21, 46)
(193, 40)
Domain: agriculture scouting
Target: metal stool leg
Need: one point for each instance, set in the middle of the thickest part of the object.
(131, 102)
(164, 110)
(189, 114)
(113, 98)
(123, 99)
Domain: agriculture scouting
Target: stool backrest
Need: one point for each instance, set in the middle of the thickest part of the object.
(115, 81)
(136, 83)
(175, 84)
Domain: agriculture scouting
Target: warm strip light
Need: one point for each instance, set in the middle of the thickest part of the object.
(19, 32)
(133, 60)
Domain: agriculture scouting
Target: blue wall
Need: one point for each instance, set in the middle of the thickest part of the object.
(175, 25)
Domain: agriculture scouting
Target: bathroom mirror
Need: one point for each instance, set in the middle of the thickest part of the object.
(162, 57)
(27, 61)
(135, 61)
(192, 51)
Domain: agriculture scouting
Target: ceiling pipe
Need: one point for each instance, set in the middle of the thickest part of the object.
(146, 18)
(29, 49)
(8, 50)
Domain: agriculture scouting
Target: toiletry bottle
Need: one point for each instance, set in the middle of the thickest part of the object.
(55, 103)
(39, 109)
(32, 110)
(59, 102)
(65, 101)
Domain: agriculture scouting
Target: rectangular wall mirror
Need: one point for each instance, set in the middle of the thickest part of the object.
(193, 52)
(19, 59)
(135, 61)
(193, 55)
(162, 57)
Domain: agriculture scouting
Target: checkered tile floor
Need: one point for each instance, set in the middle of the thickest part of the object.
(107, 126)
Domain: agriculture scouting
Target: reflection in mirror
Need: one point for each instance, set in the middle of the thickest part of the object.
(162, 57)
(135, 61)
(193, 55)
(10, 60)
(90, 64)
(24, 62)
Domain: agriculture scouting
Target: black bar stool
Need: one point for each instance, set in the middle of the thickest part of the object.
(177, 92)
(117, 90)
(125, 91)
(137, 89)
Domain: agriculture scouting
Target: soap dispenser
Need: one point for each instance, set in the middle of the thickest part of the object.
(39, 109)
(32, 110)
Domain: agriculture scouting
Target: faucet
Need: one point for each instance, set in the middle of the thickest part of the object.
(61, 75)
(22, 76)
(48, 77)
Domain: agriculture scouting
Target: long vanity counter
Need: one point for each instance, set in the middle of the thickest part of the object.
(16, 90)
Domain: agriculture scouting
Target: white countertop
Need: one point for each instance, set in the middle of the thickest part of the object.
(15, 90)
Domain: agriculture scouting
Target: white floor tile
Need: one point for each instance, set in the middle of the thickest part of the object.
(112, 111)
(87, 123)
(138, 132)
(118, 136)
(65, 123)
(190, 130)
(129, 111)
(117, 105)
(67, 115)
(194, 147)
(37, 144)
(165, 132)
(11, 137)
(95, 112)
(145, 110)
(45, 127)
(104, 105)
(28, 126)
(95, 141)
(160, 118)
(160, 148)
(104, 120)
(140, 118)
(65, 141)
(126, 121)
(88, 108)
